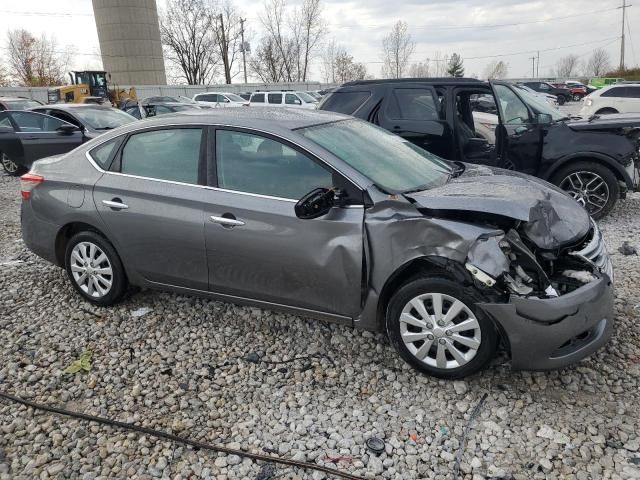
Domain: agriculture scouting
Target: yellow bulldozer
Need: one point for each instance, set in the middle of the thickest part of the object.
(90, 86)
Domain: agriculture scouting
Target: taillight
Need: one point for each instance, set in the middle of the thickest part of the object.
(28, 182)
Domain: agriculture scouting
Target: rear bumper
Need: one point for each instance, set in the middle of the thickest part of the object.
(545, 334)
(39, 236)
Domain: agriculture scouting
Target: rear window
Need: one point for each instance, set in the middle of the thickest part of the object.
(614, 92)
(344, 102)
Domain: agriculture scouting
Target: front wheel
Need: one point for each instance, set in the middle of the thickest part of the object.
(436, 327)
(591, 184)
(11, 167)
(577, 97)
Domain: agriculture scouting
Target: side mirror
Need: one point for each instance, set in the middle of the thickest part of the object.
(315, 204)
(543, 119)
(67, 129)
(297, 101)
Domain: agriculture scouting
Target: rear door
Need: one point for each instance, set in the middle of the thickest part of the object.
(151, 201)
(415, 113)
(39, 135)
(256, 245)
(518, 137)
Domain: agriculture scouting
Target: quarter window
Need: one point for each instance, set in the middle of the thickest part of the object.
(254, 164)
(171, 154)
(102, 154)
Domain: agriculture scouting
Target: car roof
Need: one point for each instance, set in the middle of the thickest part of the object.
(17, 98)
(265, 119)
(75, 106)
(438, 80)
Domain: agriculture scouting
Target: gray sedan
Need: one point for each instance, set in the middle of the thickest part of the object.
(329, 217)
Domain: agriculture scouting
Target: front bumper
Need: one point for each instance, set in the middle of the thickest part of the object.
(552, 333)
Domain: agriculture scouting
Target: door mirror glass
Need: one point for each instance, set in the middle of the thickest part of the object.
(315, 204)
(543, 119)
(67, 129)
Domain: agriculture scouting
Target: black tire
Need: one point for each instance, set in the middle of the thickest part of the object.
(606, 111)
(118, 277)
(577, 97)
(560, 178)
(10, 167)
(469, 297)
(561, 99)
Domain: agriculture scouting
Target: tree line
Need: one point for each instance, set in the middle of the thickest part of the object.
(204, 42)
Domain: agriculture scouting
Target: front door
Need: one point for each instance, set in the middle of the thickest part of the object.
(151, 203)
(40, 137)
(519, 137)
(256, 246)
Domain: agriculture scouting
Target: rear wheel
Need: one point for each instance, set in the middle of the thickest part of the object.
(11, 167)
(436, 327)
(606, 111)
(591, 184)
(577, 97)
(94, 268)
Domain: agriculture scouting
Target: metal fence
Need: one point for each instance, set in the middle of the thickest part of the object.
(143, 91)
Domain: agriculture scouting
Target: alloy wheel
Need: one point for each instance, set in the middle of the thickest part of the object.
(8, 165)
(91, 269)
(440, 331)
(588, 188)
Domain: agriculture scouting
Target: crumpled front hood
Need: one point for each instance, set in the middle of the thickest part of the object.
(552, 219)
(606, 122)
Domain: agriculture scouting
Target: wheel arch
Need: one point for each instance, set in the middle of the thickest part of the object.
(69, 230)
(600, 158)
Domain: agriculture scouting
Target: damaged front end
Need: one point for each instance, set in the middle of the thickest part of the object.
(555, 304)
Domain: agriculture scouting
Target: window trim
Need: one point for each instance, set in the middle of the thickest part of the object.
(116, 162)
(209, 158)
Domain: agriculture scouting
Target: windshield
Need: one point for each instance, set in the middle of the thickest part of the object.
(103, 118)
(391, 162)
(21, 104)
(184, 99)
(306, 97)
(235, 98)
(541, 106)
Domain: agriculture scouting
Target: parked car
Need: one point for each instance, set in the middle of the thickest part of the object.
(573, 83)
(141, 110)
(315, 94)
(328, 216)
(577, 92)
(220, 99)
(622, 98)
(17, 103)
(26, 136)
(562, 94)
(600, 82)
(550, 99)
(594, 161)
(282, 99)
(92, 119)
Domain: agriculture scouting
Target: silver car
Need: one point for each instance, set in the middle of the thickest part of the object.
(330, 217)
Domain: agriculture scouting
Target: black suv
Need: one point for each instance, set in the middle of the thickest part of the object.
(561, 93)
(595, 160)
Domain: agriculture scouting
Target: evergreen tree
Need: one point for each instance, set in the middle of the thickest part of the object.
(456, 68)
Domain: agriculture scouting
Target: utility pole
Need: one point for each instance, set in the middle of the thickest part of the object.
(533, 66)
(624, 11)
(225, 51)
(244, 58)
(538, 65)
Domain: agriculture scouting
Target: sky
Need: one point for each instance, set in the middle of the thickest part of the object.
(480, 30)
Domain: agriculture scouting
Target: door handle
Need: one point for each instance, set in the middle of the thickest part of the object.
(116, 204)
(226, 221)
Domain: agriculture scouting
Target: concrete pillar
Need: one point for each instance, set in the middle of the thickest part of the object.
(129, 34)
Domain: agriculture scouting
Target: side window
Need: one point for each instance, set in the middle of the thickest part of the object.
(292, 99)
(275, 98)
(633, 92)
(543, 86)
(102, 155)
(254, 164)
(412, 104)
(36, 122)
(4, 121)
(514, 111)
(614, 92)
(171, 154)
(257, 98)
(133, 111)
(344, 102)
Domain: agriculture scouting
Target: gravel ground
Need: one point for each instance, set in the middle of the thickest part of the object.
(183, 367)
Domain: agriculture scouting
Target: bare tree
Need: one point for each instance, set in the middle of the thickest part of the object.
(397, 48)
(4, 76)
(267, 62)
(599, 62)
(440, 64)
(496, 70)
(420, 70)
(329, 61)
(308, 28)
(281, 48)
(568, 66)
(228, 37)
(188, 32)
(35, 62)
(346, 69)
